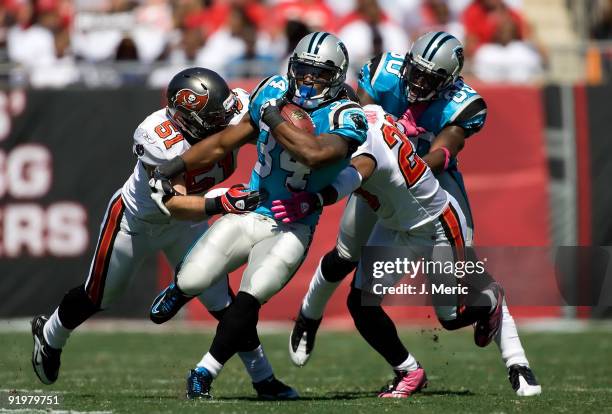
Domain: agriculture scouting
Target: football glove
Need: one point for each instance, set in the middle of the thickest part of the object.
(161, 189)
(297, 207)
(408, 122)
(238, 199)
(270, 112)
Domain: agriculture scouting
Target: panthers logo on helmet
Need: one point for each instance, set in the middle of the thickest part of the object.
(190, 100)
(458, 52)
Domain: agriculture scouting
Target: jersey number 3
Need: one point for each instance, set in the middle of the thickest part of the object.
(410, 164)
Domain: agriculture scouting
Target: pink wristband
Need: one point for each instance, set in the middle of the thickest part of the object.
(447, 156)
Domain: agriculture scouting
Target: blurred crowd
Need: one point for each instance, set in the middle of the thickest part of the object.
(54, 43)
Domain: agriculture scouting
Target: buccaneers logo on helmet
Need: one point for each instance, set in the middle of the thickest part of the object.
(190, 100)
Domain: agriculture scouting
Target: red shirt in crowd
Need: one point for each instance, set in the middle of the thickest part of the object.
(481, 23)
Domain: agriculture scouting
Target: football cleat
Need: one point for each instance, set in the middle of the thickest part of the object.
(405, 384)
(486, 329)
(45, 359)
(273, 389)
(523, 381)
(199, 384)
(302, 339)
(167, 304)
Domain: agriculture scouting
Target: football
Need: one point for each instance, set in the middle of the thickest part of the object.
(298, 117)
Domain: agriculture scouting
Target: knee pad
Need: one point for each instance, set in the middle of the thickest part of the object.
(335, 268)
(76, 307)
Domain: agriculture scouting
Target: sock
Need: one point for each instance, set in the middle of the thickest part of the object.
(319, 292)
(256, 364)
(210, 364)
(55, 333)
(509, 343)
(377, 329)
(410, 364)
(237, 331)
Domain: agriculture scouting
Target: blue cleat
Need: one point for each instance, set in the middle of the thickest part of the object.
(199, 384)
(273, 389)
(167, 304)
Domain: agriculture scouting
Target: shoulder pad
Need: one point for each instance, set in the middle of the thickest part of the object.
(270, 88)
(150, 148)
(346, 118)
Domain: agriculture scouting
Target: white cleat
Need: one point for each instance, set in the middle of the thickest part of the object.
(302, 338)
(523, 381)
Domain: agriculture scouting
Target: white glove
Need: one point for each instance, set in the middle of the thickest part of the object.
(161, 188)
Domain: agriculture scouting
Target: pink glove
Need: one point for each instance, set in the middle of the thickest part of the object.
(409, 123)
(297, 207)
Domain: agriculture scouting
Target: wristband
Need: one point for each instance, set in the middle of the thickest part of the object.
(212, 206)
(272, 117)
(447, 156)
(173, 167)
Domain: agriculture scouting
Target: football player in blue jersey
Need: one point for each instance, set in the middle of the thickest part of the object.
(274, 250)
(425, 91)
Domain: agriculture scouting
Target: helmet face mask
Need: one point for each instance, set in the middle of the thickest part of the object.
(421, 83)
(317, 70)
(433, 63)
(200, 102)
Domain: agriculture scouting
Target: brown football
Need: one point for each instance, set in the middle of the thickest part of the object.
(298, 117)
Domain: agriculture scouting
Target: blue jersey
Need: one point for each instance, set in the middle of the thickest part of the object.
(276, 171)
(458, 104)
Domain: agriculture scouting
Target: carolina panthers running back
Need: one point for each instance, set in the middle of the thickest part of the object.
(289, 160)
(276, 171)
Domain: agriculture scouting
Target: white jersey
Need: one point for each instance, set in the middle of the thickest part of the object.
(157, 140)
(402, 190)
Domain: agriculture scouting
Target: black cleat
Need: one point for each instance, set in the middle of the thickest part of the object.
(302, 339)
(167, 304)
(45, 359)
(273, 389)
(199, 384)
(523, 381)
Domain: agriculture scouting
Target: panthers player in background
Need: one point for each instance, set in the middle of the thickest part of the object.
(199, 104)
(274, 250)
(425, 90)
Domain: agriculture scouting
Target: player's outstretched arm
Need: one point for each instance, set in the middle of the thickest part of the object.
(236, 200)
(208, 151)
(444, 147)
(304, 203)
(311, 150)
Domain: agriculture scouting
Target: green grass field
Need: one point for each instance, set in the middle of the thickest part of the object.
(141, 373)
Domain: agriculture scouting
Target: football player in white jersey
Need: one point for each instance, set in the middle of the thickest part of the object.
(412, 211)
(200, 103)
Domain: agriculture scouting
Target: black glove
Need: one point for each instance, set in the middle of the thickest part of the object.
(271, 112)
